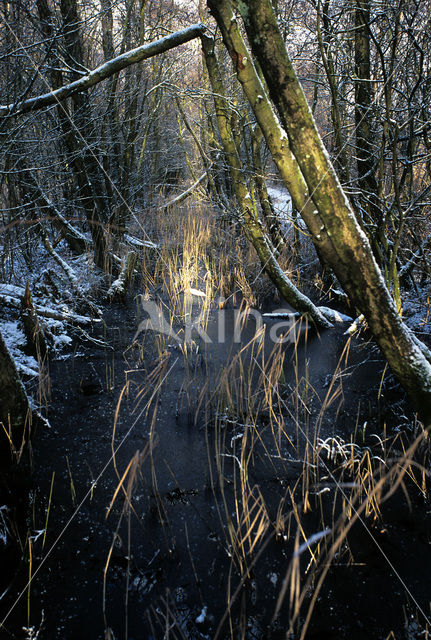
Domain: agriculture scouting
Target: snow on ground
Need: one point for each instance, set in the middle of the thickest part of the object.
(44, 272)
(14, 336)
(417, 311)
(283, 206)
(16, 341)
(280, 198)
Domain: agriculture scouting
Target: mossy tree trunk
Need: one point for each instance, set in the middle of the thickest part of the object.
(340, 240)
(271, 218)
(255, 89)
(252, 224)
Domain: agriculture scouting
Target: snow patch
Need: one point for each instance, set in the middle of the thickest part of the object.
(334, 316)
(15, 340)
(62, 340)
(417, 311)
(202, 616)
(4, 530)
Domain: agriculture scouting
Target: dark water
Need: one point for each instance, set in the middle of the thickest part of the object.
(159, 564)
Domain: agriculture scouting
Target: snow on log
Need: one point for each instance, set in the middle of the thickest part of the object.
(334, 316)
(142, 244)
(290, 315)
(67, 316)
(71, 275)
(47, 312)
(24, 370)
(354, 327)
(119, 287)
(105, 71)
(330, 314)
(185, 194)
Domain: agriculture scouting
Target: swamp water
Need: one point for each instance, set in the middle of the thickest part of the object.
(184, 477)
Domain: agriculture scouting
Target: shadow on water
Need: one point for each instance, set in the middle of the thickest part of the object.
(192, 522)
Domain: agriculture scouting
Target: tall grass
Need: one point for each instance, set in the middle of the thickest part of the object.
(255, 418)
(285, 484)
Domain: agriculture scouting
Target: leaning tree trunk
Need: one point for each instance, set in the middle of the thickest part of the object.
(15, 412)
(252, 225)
(340, 240)
(276, 139)
(271, 218)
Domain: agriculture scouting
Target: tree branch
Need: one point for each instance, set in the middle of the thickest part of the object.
(104, 71)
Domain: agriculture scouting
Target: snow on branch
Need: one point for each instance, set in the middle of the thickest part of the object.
(119, 286)
(411, 263)
(142, 244)
(185, 194)
(105, 71)
(11, 295)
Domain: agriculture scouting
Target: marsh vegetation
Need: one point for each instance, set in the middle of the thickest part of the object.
(214, 331)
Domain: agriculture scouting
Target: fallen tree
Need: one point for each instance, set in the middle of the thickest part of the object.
(12, 295)
(104, 71)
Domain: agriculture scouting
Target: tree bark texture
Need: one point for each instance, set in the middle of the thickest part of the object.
(252, 224)
(340, 240)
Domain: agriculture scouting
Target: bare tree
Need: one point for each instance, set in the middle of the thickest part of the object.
(28, 194)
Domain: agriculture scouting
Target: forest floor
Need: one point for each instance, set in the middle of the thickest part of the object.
(178, 496)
